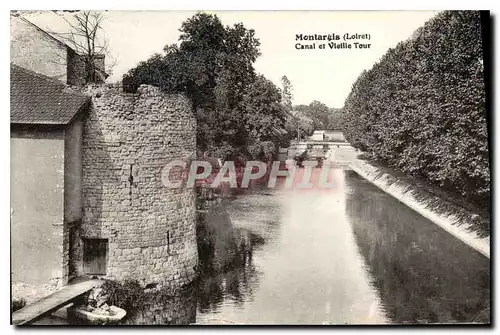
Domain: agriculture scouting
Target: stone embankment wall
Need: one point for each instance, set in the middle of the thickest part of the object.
(455, 220)
(149, 229)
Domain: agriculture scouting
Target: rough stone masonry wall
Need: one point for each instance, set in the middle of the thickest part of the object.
(150, 228)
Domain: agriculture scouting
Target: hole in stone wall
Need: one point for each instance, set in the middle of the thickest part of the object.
(168, 241)
(131, 183)
(95, 253)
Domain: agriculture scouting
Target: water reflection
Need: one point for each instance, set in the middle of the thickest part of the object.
(227, 269)
(421, 273)
(176, 310)
(351, 254)
(291, 258)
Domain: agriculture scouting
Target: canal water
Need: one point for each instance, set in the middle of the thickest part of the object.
(347, 255)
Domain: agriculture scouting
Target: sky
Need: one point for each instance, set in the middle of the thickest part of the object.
(324, 75)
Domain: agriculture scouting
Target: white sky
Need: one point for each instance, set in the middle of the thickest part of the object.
(324, 75)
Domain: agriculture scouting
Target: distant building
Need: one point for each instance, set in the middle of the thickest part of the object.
(318, 135)
(328, 135)
(35, 49)
(334, 136)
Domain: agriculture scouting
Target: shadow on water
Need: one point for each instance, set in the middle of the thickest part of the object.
(421, 272)
(306, 257)
(178, 309)
(227, 271)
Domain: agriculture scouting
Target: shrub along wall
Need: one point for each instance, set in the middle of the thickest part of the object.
(421, 108)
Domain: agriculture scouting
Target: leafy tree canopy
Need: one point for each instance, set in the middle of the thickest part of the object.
(422, 108)
(213, 65)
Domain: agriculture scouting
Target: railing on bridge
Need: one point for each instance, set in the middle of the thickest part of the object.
(315, 149)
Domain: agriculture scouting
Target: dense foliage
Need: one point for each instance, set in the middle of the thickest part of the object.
(421, 108)
(239, 113)
(322, 117)
(297, 123)
(128, 295)
(133, 297)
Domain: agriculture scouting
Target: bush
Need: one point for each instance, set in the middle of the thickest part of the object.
(133, 297)
(422, 108)
(128, 295)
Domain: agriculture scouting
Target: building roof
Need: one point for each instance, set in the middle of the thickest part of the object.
(101, 72)
(38, 99)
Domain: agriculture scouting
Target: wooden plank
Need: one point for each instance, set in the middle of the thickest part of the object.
(53, 302)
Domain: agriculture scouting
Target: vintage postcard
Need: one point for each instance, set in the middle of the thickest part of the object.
(250, 167)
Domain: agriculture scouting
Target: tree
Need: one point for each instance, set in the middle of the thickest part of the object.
(86, 37)
(293, 122)
(421, 108)
(207, 51)
(317, 111)
(264, 114)
(335, 119)
(238, 112)
(298, 125)
(287, 95)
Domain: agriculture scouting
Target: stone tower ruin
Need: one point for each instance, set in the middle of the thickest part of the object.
(133, 227)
